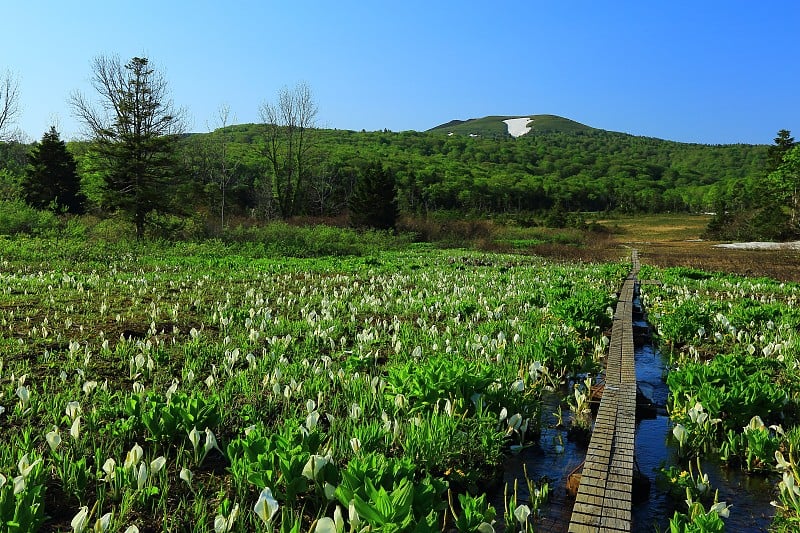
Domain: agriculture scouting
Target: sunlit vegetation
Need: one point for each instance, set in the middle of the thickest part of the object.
(735, 389)
(194, 387)
(536, 179)
(275, 327)
(592, 170)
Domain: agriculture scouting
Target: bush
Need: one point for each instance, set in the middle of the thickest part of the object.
(173, 228)
(279, 238)
(113, 229)
(18, 217)
(763, 224)
(447, 232)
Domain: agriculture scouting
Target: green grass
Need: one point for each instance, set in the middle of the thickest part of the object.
(520, 237)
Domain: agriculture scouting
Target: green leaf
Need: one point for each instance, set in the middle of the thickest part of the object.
(368, 513)
(402, 497)
(381, 500)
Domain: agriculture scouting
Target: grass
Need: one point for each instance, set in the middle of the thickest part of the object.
(647, 229)
(671, 240)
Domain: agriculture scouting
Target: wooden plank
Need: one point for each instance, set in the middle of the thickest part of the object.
(604, 496)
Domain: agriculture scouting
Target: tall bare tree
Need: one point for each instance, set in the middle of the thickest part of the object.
(135, 129)
(223, 170)
(330, 187)
(289, 145)
(9, 103)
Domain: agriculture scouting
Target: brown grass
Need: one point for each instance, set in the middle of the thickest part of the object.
(657, 228)
(674, 240)
(782, 265)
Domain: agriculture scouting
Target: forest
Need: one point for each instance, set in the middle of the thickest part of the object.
(286, 167)
(586, 171)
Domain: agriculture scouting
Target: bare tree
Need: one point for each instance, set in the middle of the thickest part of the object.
(289, 143)
(9, 103)
(322, 188)
(135, 129)
(329, 188)
(224, 170)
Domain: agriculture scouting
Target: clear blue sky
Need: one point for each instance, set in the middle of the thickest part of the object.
(705, 71)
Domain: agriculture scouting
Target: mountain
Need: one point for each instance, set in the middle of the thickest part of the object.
(493, 126)
(560, 163)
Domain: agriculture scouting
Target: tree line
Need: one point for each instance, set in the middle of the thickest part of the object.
(140, 162)
(764, 208)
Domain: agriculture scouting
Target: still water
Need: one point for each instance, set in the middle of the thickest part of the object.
(554, 457)
(750, 495)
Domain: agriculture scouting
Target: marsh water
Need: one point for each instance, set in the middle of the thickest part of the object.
(554, 457)
(750, 495)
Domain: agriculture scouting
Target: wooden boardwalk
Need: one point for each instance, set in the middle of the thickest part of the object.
(603, 502)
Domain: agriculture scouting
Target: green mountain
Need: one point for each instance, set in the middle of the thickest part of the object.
(493, 126)
(479, 170)
(563, 163)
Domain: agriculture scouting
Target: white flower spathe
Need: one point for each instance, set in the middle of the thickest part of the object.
(266, 505)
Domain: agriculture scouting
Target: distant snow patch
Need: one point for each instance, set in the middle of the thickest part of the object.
(518, 126)
(793, 245)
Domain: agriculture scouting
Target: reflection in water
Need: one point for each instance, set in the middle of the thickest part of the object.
(650, 374)
(554, 457)
(750, 495)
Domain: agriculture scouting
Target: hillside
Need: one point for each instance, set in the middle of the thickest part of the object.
(494, 127)
(564, 164)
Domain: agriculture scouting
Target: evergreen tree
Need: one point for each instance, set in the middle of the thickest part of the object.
(785, 186)
(783, 143)
(136, 131)
(51, 179)
(374, 200)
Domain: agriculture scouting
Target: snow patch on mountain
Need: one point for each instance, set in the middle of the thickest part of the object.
(518, 126)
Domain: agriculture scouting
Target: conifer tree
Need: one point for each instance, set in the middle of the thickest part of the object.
(135, 130)
(51, 179)
(785, 186)
(374, 200)
(783, 143)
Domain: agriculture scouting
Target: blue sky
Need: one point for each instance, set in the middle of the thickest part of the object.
(694, 71)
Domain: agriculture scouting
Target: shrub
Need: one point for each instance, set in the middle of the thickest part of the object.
(171, 227)
(18, 217)
(446, 231)
(279, 238)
